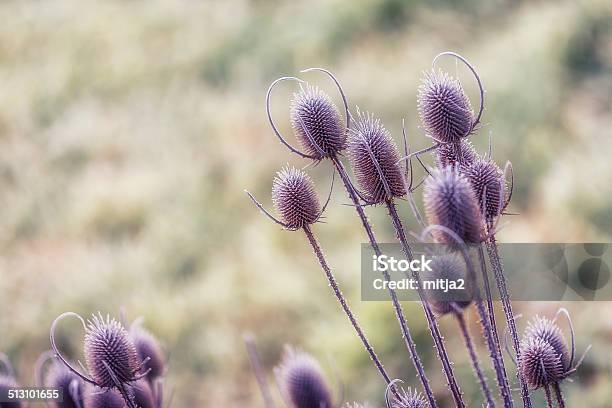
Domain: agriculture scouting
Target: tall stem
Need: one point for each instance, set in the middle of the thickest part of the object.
(258, 371)
(559, 395)
(399, 313)
(505, 298)
(431, 318)
(488, 295)
(469, 344)
(347, 310)
(549, 399)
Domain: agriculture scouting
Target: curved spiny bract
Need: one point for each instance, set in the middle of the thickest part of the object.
(60, 377)
(489, 185)
(295, 198)
(110, 354)
(317, 123)
(444, 108)
(450, 202)
(448, 266)
(96, 397)
(539, 363)
(148, 349)
(7, 383)
(462, 154)
(302, 381)
(375, 160)
(546, 330)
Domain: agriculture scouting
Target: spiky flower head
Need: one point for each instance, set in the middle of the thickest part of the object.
(444, 108)
(408, 399)
(295, 198)
(8, 383)
(96, 397)
(148, 347)
(489, 185)
(548, 331)
(110, 354)
(302, 380)
(451, 203)
(317, 123)
(539, 363)
(374, 158)
(143, 395)
(452, 267)
(60, 377)
(453, 154)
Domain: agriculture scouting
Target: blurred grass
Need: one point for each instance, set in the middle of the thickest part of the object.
(128, 131)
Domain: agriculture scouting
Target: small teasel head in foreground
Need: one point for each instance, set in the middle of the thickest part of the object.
(450, 202)
(7, 381)
(143, 394)
(295, 198)
(375, 160)
(96, 397)
(452, 267)
(58, 376)
(148, 348)
(489, 185)
(403, 398)
(301, 379)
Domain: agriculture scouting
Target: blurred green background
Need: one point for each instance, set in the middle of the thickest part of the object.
(129, 129)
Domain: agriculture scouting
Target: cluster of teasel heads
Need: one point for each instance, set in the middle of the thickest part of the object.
(126, 367)
(465, 195)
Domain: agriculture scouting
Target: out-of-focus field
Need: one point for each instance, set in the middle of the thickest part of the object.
(128, 131)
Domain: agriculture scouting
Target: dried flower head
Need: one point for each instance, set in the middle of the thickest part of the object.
(451, 203)
(489, 185)
(110, 354)
(539, 363)
(452, 267)
(317, 122)
(452, 154)
(444, 108)
(7, 383)
(295, 198)
(548, 331)
(408, 399)
(374, 157)
(96, 397)
(60, 377)
(143, 395)
(148, 347)
(302, 380)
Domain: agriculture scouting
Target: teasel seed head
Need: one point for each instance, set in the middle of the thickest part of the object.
(375, 159)
(408, 399)
(452, 267)
(450, 202)
(60, 377)
(148, 347)
(7, 383)
(539, 363)
(143, 395)
(548, 331)
(317, 122)
(109, 352)
(295, 198)
(453, 154)
(97, 397)
(302, 380)
(489, 185)
(444, 108)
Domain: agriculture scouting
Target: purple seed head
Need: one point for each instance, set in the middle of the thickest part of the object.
(487, 180)
(444, 108)
(452, 154)
(374, 158)
(548, 331)
(60, 377)
(7, 383)
(302, 380)
(408, 399)
(451, 203)
(539, 363)
(452, 267)
(143, 395)
(317, 123)
(110, 354)
(148, 347)
(96, 397)
(295, 198)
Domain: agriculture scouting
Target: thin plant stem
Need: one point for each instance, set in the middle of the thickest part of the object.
(507, 306)
(549, 398)
(469, 344)
(258, 371)
(431, 319)
(343, 303)
(399, 313)
(489, 296)
(559, 395)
